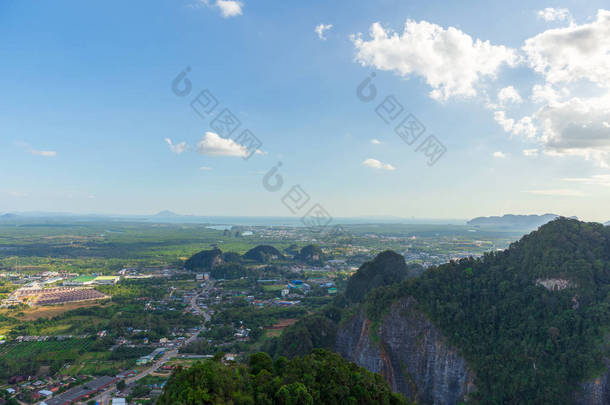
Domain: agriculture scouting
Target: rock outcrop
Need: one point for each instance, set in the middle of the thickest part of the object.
(555, 284)
(409, 352)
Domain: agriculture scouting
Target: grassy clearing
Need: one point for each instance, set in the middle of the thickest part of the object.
(274, 287)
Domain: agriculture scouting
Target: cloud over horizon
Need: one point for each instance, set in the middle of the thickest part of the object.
(213, 144)
(376, 164)
(451, 62)
(569, 110)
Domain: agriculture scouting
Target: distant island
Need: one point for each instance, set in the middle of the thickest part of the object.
(525, 222)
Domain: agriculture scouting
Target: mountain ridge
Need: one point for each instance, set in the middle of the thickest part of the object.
(529, 222)
(523, 340)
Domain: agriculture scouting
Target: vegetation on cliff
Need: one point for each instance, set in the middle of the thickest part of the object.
(228, 264)
(311, 254)
(386, 269)
(263, 254)
(525, 343)
(321, 377)
(205, 260)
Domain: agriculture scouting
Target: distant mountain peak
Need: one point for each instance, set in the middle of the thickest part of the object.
(166, 213)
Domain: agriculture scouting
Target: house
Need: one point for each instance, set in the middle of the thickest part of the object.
(143, 360)
(45, 393)
(229, 357)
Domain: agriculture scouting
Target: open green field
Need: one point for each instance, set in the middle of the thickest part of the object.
(87, 247)
(46, 351)
(274, 287)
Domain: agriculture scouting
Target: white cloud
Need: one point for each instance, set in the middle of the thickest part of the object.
(509, 95)
(178, 148)
(548, 94)
(573, 122)
(559, 193)
(524, 127)
(320, 29)
(573, 53)
(205, 168)
(45, 153)
(214, 145)
(36, 152)
(570, 113)
(506, 123)
(229, 8)
(530, 152)
(554, 14)
(376, 164)
(375, 141)
(499, 155)
(576, 128)
(450, 61)
(595, 180)
(15, 194)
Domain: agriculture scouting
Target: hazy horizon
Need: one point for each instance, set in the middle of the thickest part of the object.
(240, 108)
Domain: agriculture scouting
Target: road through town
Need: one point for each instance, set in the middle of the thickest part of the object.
(105, 397)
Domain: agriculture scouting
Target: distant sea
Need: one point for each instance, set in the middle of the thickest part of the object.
(227, 221)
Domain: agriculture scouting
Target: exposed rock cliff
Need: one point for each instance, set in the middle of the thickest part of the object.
(410, 353)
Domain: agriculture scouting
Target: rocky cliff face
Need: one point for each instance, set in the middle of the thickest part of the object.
(410, 353)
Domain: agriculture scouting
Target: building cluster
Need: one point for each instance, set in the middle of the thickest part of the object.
(150, 357)
(37, 295)
(82, 392)
(62, 390)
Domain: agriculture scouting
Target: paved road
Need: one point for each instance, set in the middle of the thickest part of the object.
(105, 396)
(173, 353)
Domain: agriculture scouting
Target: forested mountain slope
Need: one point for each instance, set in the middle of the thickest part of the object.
(320, 378)
(530, 322)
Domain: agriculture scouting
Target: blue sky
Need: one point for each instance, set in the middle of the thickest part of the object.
(87, 106)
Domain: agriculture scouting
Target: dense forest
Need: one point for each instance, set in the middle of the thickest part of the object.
(525, 343)
(311, 254)
(386, 269)
(210, 260)
(263, 254)
(321, 378)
